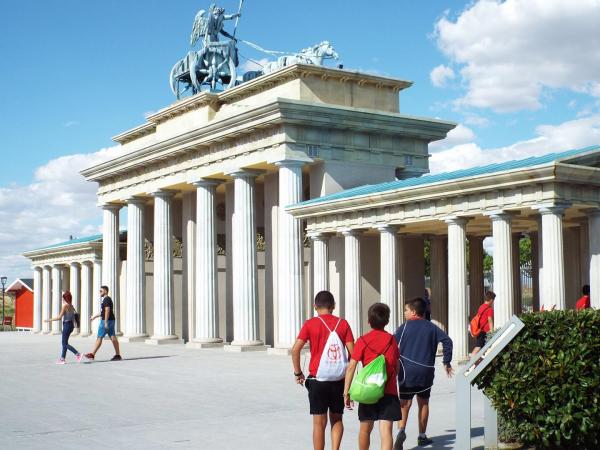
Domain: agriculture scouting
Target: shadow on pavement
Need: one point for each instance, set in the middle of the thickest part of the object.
(130, 359)
(447, 440)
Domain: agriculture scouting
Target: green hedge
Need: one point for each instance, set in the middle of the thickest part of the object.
(545, 384)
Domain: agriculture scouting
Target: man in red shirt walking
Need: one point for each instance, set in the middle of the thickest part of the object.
(327, 336)
(584, 301)
(486, 320)
(368, 347)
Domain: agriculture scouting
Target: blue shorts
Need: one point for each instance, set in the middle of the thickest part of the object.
(103, 331)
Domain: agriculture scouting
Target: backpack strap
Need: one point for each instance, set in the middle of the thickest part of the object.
(481, 314)
(378, 353)
(336, 325)
(321, 319)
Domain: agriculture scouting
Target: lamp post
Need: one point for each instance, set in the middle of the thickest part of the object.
(3, 280)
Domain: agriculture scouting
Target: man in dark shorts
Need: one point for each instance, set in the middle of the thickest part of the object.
(486, 320)
(106, 326)
(323, 396)
(368, 347)
(418, 341)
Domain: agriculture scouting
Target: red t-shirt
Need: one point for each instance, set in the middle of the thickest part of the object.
(376, 341)
(315, 332)
(485, 311)
(583, 302)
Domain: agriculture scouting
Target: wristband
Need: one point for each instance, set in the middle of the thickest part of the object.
(298, 374)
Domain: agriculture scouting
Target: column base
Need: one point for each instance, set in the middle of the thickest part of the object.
(164, 340)
(84, 334)
(283, 351)
(199, 345)
(246, 347)
(55, 333)
(138, 338)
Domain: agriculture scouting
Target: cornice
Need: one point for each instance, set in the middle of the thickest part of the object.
(277, 112)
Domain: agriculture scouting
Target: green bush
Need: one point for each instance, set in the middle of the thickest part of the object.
(545, 384)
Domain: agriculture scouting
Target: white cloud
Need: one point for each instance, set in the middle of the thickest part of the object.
(550, 138)
(70, 123)
(58, 203)
(441, 74)
(511, 51)
(457, 136)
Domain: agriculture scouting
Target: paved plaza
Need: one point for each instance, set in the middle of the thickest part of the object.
(172, 397)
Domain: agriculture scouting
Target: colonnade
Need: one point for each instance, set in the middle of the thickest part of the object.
(457, 291)
(49, 283)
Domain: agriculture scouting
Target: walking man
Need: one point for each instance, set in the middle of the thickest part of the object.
(486, 320)
(418, 341)
(106, 326)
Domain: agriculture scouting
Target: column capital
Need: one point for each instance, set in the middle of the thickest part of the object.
(552, 208)
(206, 182)
(318, 236)
(456, 220)
(111, 206)
(499, 214)
(75, 264)
(163, 193)
(86, 263)
(240, 172)
(386, 227)
(291, 162)
(351, 232)
(135, 200)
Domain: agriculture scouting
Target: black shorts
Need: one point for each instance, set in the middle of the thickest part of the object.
(480, 339)
(387, 408)
(408, 392)
(325, 395)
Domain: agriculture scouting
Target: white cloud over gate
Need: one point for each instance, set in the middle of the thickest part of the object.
(57, 204)
(509, 52)
(453, 155)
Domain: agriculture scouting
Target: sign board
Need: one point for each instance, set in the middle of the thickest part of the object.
(467, 377)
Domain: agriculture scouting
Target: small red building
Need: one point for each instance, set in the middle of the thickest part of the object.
(22, 288)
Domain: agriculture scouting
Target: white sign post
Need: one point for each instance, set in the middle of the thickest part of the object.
(467, 377)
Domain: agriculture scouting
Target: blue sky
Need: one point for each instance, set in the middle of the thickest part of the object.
(521, 77)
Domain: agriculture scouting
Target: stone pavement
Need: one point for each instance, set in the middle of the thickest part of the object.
(172, 397)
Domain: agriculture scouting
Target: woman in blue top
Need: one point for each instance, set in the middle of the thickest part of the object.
(68, 316)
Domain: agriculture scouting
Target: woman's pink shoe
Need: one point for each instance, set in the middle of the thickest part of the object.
(60, 361)
(78, 357)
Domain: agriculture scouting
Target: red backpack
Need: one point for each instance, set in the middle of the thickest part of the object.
(475, 325)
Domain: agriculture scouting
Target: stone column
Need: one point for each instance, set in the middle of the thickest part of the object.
(516, 271)
(320, 262)
(535, 271)
(475, 273)
(46, 299)
(594, 250)
(438, 256)
(540, 262)
(457, 286)
(74, 288)
(111, 256)
(188, 231)
(245, 287)
(206, 333)
(37, 299)
(553, 282)
(95, 300)
(389, 273)
(352, 280)
(290, 271)
(56, 299)
(164, 319)
(86, 299)
(135, 318)
(503, 268)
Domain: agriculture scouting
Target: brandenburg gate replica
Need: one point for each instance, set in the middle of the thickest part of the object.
(215, 251)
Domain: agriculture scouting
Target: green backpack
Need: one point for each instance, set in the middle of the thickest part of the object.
(369, 385)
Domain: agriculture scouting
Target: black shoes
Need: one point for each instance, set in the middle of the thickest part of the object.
(116, 358)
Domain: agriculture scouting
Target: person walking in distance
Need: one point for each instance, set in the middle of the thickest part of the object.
(106, 326)
(69, 316)
(485, 321)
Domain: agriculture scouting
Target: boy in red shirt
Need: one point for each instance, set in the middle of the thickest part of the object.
(584, 301)
(324, 396)
(387, 409)
(486, 320)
